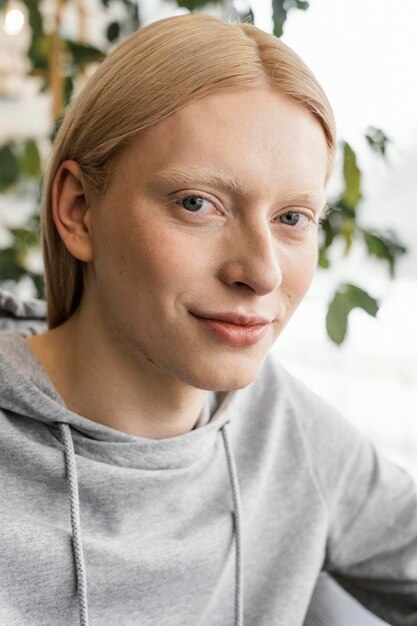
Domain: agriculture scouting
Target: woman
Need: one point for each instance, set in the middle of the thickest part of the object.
(158, 467)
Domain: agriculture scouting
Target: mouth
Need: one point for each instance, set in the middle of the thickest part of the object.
(238, 319)
(233, 328)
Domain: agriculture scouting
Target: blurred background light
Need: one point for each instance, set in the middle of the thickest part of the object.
(14, 20)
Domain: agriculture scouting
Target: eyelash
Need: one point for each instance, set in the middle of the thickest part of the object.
(178, 200)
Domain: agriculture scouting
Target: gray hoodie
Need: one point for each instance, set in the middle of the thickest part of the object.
(229, 524)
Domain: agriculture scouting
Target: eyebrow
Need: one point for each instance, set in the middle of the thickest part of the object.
(218, 179)
(199, 176)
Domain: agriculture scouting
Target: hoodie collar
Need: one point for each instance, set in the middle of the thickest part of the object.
(25, 389)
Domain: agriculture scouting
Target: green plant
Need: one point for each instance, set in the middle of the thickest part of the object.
(341, 221)
(60, 62)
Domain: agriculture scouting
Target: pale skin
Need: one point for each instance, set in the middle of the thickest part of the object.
(136, 359)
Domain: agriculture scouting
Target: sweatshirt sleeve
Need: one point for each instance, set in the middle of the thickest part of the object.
(371, 504)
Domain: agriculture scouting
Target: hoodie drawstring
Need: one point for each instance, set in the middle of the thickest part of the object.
(75, 523)
(237, 526)
(81, 575)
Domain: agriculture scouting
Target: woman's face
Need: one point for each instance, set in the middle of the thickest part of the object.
(212, 213)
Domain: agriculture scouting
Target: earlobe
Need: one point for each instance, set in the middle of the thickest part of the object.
(70, 210)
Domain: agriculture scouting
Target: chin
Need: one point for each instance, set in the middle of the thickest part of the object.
(225, 378)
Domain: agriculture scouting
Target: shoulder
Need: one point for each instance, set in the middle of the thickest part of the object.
(282, 388)
(278, 395)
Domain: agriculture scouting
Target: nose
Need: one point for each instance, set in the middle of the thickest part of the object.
(252, 260)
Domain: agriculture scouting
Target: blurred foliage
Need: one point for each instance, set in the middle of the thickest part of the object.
(377, 139)
(340, 222)
(280, 9)
(20, 161)
(13, 258)
(346, 298)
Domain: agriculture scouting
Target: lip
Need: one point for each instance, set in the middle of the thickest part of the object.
(240, 319)
(249, 331)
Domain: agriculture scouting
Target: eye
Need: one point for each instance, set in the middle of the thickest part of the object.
(192, 203)
(292, 218)
(197, 208)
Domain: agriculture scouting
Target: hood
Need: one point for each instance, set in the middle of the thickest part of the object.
(25, 390)
(26, 316)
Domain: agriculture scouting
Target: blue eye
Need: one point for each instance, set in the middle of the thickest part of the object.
(291, 218)
(195, 203)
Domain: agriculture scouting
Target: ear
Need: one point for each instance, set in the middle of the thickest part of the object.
(71, 210)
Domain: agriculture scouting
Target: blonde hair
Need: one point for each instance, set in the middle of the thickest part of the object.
(150, 75)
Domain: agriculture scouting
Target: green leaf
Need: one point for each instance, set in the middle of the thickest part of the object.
(9, 166)
(376, 246)
(191, 5)
(348, 232)
(352, 177)
(328, 230)
(30, 160)
(323, 260)
(35, 17)
(280, 10)
(336, 318)
(11, 264)
(24, 238)
(347, 298)
(377, 140)
(279, 16)
(357, 297)
(113, 31)
(83, 54)
(38, 52)
(382, 246)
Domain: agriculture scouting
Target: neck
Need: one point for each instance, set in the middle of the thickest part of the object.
(104, 383)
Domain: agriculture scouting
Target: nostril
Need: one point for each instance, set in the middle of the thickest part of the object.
(243, 285)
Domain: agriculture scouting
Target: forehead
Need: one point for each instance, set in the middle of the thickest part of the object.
(255, 137)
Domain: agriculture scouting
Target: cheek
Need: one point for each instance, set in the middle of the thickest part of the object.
(299, 271)
(160, 258)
